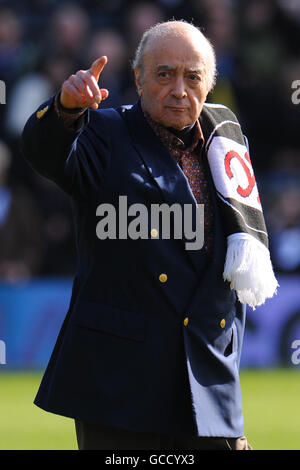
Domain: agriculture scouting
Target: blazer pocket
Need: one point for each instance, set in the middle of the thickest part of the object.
(109, 319)
(232, 345)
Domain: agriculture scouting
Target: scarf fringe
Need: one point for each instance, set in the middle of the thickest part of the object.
(249, 270)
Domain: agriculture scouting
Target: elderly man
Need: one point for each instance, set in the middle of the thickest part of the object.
(149, 352)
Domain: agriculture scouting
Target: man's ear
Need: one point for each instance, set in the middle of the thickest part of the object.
(138, 81)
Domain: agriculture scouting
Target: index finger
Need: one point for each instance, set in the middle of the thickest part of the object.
(97, 66)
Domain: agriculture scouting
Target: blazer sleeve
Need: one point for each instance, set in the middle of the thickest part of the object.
(75, 158)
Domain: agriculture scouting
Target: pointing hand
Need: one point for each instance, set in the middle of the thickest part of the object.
(81, 90)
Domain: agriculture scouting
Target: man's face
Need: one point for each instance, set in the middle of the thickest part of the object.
(173, 86)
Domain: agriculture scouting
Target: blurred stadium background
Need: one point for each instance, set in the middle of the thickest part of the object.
(42, 42)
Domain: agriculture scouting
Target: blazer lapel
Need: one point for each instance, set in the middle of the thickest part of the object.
(160, 163)
(163, 168)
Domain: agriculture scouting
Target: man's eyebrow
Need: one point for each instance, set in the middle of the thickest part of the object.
(165, 67)
(171, 68)
(198, 71)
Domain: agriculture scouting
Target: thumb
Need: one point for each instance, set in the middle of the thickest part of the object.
(97, 67)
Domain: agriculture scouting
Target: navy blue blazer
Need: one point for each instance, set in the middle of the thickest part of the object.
(135, 352)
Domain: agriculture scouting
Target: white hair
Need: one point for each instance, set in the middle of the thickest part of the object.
(160, 30)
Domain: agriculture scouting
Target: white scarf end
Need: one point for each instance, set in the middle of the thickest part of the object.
(249, 270)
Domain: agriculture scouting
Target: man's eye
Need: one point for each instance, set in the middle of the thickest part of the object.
(164, 74)
(194, 77)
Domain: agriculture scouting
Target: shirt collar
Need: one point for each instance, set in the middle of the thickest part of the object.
(170, 140)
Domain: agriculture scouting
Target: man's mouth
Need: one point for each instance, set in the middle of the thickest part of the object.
(177, 108)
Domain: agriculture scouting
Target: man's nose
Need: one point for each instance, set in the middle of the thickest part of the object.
(178, 90)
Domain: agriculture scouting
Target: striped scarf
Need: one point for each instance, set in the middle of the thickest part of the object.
(248, 267)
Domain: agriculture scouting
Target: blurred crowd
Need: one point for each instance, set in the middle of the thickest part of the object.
(257, 44)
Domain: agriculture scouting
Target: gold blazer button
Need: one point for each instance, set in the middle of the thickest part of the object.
(163, 277)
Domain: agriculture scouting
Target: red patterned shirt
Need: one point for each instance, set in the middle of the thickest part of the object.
(191, 162)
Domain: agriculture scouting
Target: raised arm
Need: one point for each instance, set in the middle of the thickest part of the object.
(82, 90)
(50, 135)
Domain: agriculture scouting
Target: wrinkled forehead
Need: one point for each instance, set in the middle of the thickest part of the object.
(184, 49)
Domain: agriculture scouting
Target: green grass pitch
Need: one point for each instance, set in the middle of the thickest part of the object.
(270, 401)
